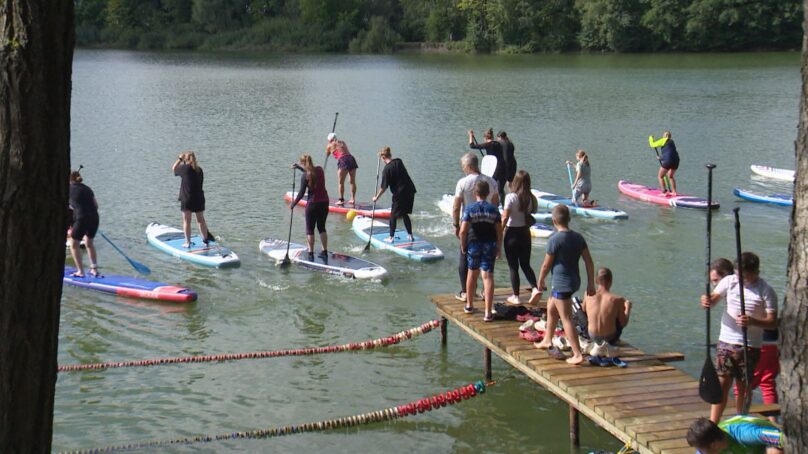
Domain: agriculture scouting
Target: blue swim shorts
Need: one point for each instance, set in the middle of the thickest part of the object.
(481, 255)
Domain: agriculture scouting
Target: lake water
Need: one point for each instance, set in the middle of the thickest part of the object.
(249, 116)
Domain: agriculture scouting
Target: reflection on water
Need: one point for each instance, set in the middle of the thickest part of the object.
(248, 116)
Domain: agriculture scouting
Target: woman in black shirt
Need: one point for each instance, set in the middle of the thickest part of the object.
(85, 223)
(192, 197)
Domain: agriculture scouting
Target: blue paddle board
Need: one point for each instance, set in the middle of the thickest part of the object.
(776, 199)
(130, 287)
(415, 249)
(170, 240)
(549, 201)
(334, 263)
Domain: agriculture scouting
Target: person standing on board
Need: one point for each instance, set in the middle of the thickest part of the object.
(516, 220)
(85, 223)
(463, 197)
(564, 249)
(192, 197)
(760, 303)
(395, 177)
(582, 184)
(668, 161)
(508, 149)
(481, 241)
(493, 148)
(313, 181)
(346, 166)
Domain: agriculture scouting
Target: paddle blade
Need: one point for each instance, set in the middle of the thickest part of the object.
(210, 237)
(709, 386)
(139, 267)
(489, 165)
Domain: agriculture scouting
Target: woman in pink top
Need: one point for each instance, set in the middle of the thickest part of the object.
(346, 165)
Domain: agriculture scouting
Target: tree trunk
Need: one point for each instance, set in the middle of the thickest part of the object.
(36, 53)
(793, 381)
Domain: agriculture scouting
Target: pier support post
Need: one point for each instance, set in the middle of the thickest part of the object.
(443, 324)
(575, 438)
(487, 362)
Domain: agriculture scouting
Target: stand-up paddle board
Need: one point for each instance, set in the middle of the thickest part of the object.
(364, 209)
(170, 240)
(417, 249)
(548, 201)
(131, 287)
(655, 195)
(537, 230)
(773, 173)
(489, 165)
(777, 199)
(335, 263)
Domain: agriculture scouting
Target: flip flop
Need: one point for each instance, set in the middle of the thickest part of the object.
(619, 362)
(555, 353)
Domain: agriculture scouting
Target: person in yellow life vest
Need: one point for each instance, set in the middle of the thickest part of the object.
(668, 162)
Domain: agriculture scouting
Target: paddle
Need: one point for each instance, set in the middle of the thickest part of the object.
(373, 210)
(474, 139)
(333, 128)
(709, 386)
(286, 260)
(572, 187)
(139, 267)
(747, 372)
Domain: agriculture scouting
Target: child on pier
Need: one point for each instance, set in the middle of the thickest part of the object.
(481, 241)
(564, 249)
(745, 434)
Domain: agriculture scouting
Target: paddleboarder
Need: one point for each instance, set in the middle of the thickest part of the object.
(761, 313)
(493, 148)
(312, 180)
(668, 161)
(396, 177)
(582, 184)
(346, 166)
(192, 197)
(508, 150)
(85, 223)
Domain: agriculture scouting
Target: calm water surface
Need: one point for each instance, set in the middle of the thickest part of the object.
(249, 116)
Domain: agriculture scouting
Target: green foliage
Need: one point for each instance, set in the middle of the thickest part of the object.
(507, 26)
(378, 38)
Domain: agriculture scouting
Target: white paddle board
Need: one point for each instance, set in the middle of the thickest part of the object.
(334, 263)
(170, 240)
(415, 249)
(773, 173)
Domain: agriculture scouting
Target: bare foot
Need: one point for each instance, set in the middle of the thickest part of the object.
(352, 202)
(544, 345)
(575, 360)
(389, 239)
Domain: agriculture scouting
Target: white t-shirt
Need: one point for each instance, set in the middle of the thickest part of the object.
(516, 215)
(759, 300)
(465, 188)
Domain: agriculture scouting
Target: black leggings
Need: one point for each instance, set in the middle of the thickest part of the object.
(407, 224)
(517, 251)
(316, 214)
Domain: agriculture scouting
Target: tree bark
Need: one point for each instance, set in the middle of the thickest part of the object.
(36, 57)
(793, 380)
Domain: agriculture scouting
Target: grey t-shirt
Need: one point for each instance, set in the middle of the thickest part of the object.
(566, 249)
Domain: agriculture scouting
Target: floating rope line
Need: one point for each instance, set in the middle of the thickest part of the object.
(419, 406)
(354, 346)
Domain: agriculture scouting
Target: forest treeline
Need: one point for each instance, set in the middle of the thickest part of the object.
(463, 25)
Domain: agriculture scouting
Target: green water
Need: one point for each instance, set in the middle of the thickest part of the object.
(249, 116)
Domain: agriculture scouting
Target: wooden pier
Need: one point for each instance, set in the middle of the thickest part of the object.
(648, 405)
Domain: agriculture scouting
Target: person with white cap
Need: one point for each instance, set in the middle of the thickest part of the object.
(346, 166)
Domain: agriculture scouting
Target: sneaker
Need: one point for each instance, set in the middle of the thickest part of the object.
(535, 295)
(513, 300)
(561, 343)
(460, 296)
(468, 310)
(527, 326)
(340, 202)
(488, 318)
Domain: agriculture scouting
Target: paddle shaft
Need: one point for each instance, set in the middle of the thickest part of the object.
(744, 330)
(572, 188)
(708, 247)
(333, 128)
(291, 217)
(139, 267)
(373, 210)
(474, 139)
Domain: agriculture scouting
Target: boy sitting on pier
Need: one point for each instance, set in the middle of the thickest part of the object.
(739, 434)
(607, 313)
